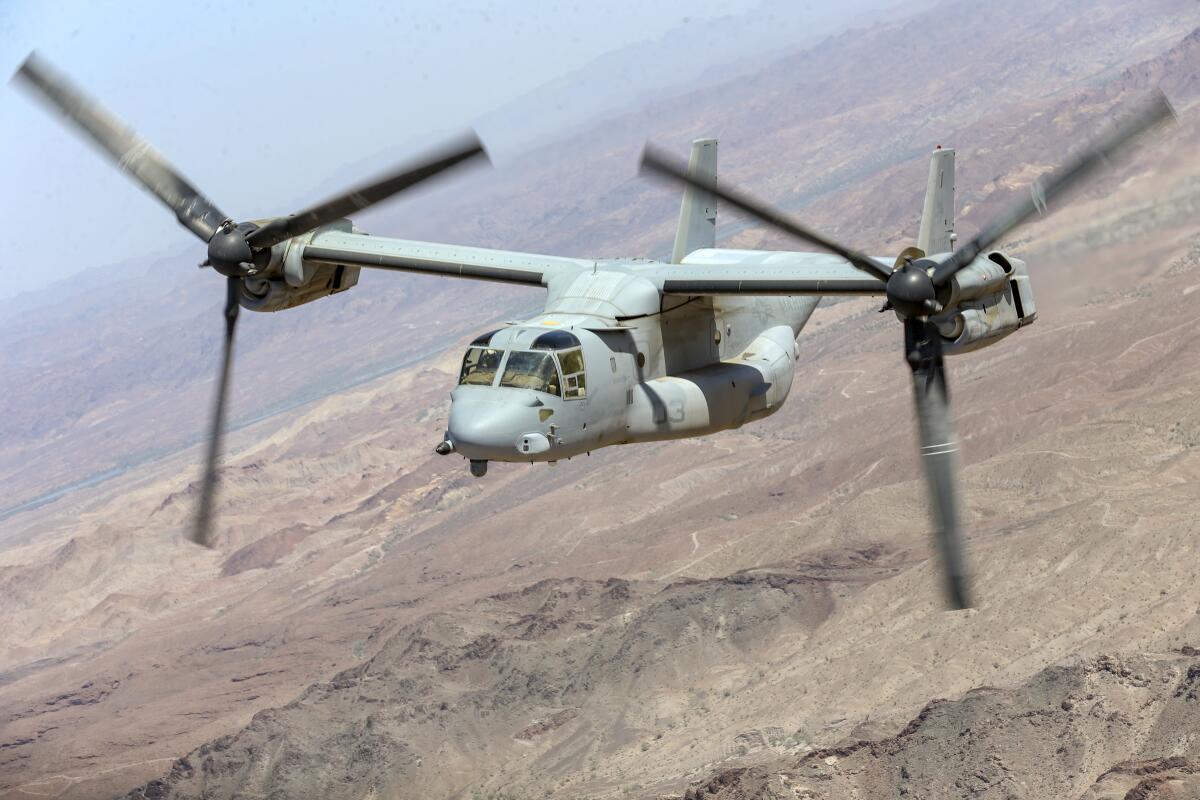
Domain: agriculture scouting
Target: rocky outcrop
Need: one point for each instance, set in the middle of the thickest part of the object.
(554, 662)
(1069, 732)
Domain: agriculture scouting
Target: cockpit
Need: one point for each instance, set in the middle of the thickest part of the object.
(552, 364)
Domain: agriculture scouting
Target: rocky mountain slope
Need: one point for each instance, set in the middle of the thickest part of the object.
(1103, 728)
(642, 621)
(572, 672)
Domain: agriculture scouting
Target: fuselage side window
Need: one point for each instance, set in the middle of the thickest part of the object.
(525, 370)
(480, 365)
(574, 379)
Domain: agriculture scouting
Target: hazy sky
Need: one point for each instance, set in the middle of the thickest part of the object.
(257, 102)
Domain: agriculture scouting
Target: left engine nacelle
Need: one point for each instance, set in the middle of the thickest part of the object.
(276, 294)
(288, 281)
(987, 317)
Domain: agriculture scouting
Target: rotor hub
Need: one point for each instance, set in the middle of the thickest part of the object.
(229, 252)
(910, 290)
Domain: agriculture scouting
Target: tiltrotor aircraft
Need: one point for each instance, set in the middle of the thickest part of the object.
(629, 350)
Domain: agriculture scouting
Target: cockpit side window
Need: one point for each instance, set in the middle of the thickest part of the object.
(532, 371)
(484, 339)
(574, 378)
(480, 365)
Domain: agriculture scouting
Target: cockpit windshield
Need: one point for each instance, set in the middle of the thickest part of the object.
(480, 365)
(532, 371)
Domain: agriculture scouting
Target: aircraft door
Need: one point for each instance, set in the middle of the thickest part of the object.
(616, 373)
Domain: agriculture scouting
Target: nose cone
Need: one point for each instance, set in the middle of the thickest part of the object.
(486, 424)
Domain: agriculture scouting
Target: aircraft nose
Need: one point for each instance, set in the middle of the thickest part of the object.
(485, 429)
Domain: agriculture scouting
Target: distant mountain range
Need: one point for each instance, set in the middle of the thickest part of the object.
(699, 52)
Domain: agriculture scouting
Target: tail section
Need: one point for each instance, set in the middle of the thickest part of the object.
(698, 214)
(937, 218)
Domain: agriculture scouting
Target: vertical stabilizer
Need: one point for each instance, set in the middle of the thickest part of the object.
(698, 214)
(937, 218)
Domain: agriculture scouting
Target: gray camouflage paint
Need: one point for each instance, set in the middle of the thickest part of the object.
(670, 350)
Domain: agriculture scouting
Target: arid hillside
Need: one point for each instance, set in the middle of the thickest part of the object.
(781, 609)
(1102, 728)
(718, 615)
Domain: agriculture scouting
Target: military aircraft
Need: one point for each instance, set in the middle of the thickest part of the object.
(628, 350)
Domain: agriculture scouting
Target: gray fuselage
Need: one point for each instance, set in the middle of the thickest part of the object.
(654, 366)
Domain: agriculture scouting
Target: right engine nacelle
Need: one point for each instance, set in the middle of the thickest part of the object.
(995, 299)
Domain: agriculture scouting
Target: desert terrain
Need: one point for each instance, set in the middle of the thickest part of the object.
(752, 614)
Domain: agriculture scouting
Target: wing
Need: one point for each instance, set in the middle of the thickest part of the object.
(765, 272)
(377, 252)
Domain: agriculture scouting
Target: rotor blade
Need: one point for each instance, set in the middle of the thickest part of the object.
(132, 154)
(201, 531)
(448, 156)
(939, 452)
(659, 162)
(1045, 191)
